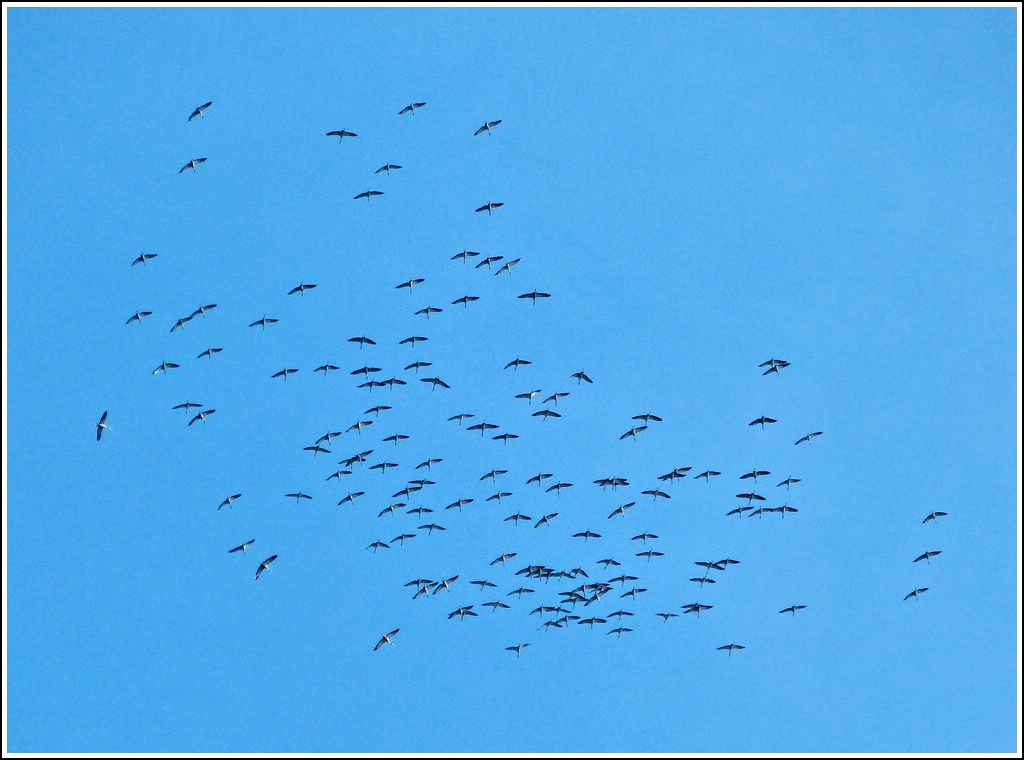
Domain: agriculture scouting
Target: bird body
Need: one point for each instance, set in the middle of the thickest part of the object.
(199, 110)
(264, 565)
(101, 426)
(191, 165)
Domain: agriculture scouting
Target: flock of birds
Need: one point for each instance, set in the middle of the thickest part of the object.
(565, 608)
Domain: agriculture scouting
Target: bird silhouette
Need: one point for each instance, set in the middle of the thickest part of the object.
(264, 565)
(199, 110)
(263, 322)
(301, 289)
(137, 317)
(191, 165)
(388, 168)
(808, 438)
(487, 127)
(933, 516)
(731, 647)
(367, 194)
(927, 556)
(793, 609)
(411, 108)
(201, 416)
(386, 639)
(164, 366)
(101, 426)
(915, 593)
(341, 134)
(143, 258)
(242, 547)
(489, 206)
(209, 353)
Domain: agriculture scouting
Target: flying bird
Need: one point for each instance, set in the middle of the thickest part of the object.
(378, 545)
(367, 194)
(490, 205)
(242, 547)
(263, 322)
(794, 608)
(762, 421)
(518, 647)
(807, 438)
(927, 556)
(341, 134)
(191, 165)
(199, 110)
(164, 366)
(464, 255)
(386, 639)
(362, 340)
(707, 475)
(465, 300)
(264, 565)
(488, 261)
(631, 433)
(284, 373)
(180, 323)
(482, 427)
(487, 127)
(298, 495)
(209, 352)
(621, 509)
(387, 168)
(933, 516)
(201, 311)
(788, 482)
(428, 311)
(754, 474)
(507, 266)
(137, 317)
(580, 376)
(545, 519)
(915, 593)
(188, 405)
(301, 288)
(517, 363)
(553, 398)
(351, 498)
(731, 647)
(101, 426)
(533, 296)
(143, 258)
(411, 108)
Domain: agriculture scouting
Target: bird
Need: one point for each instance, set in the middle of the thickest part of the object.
(445, 584)
(191, 165)
(411, 108)
(301, 288)
(395, 438)
(754, 474)
(498, 496)
(341, 134)
(503, 558)
(793, 608)
(488, 261)
(101, 426)
(696, 607)
(284, 373)
(788, 482)
(402, 537)
(678, 472)
(461, 417)
(621, 509)
(465, 300)
(199, 110)
(650, 553)
(528, 395)
(412, 281)
(431, 527)
(412, 340)
(739, 511)
(386, 639)
(209, 352)
(358, 427)
(518, 647)
(428, 311)
(482, 427)
(631, 433)
(337, 475)
(643, 537)
(504, 437)
(762, 421)
(164, 366)
(488, 125)
(376, 410)
(363, 340)
(143, 258)
(360, 457)
(367, 194)
(534, 295)
(495, 605)
(557, 487)
(553, 398)
(263, 322)
(545, 519)
(137, 317)
(807, 438)
(383, 466)
(264, 565)
(915, 593)
(435, 381)
(188, 405)
(927, 556)
(227, 501)
(351, 497)
(538, 478)
(428, 463)
(619, 631)
(545, 413)
(326, 437)
(933, 516)
(586, 535)
(517, 363)
(507, 266)
(490, 205)
(387, 168)
(666, 615)
(517, 517)
(579, 377)
(493, 474)
(731, 647)
(707, 475)
(656, 493)
(464, 254)
(242, 547)
(710, 566)
(378, 545)
(462, 612)
(703, 580)
(201, 311)
(298, 495)
(773, 362)
(180, 323)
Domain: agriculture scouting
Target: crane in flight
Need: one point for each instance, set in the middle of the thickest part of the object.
(101, 426)
(264, 565)
(386, 639)
(191, 165)
(199, 110)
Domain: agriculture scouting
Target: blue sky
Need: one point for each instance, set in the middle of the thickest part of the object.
(699, 190)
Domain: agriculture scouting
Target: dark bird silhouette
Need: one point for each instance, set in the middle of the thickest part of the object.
(703, 580)
(301, 289)
(678, 472)
(502, 559)
(754, 474)
(707, 475)
(264, 565)
(927, 556)
(507, 266)
(666, 615)
(586, 535)
(697, 608)
(461, 417)
(228, 500)
(488, 261)
(461, 612)
(263, 322)
(358, 427)
(428, 311)
(504, 437)
(793, 609)
(528, 395)
(643, 537)
(545, 519)
(143, 258)
(101, 426)
(915, 593)
(428, 463)
(284, 373)
(465, 300)
(933, 516)
(557, 487)
(516, 518)
(762, 421)
(351, 497)
(362, 340)
(580, 376)
(555, 396)
(378, 545)
(464, 255)
(431, 527)
(807, 438)
(201, 416)
(482, 427)
(619, 631)
(376, 410)
(242, 547)
(402, 537)
(731, 647)
(191, 165)
(209, 353)
(367, 194)
(164, 366)
(534, 295)
(412, 340)
(201, 311)
(435, 381)
(517, 363)
(383, 466)
(490, 205)
(538, 478)
(137, 317)
(386, 639)
(518, 647)
(180, 323)
(487, 127)
(621, 509)
(338, 474)
(738, 511)
(411, 108)
(631, 433)
(298, 495)
(388, 168)
(656, 493)
(341, 134)
(788, 482)
(545, 413)
(396, 438)
(199, 110)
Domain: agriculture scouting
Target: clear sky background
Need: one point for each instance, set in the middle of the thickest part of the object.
(699, 190)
